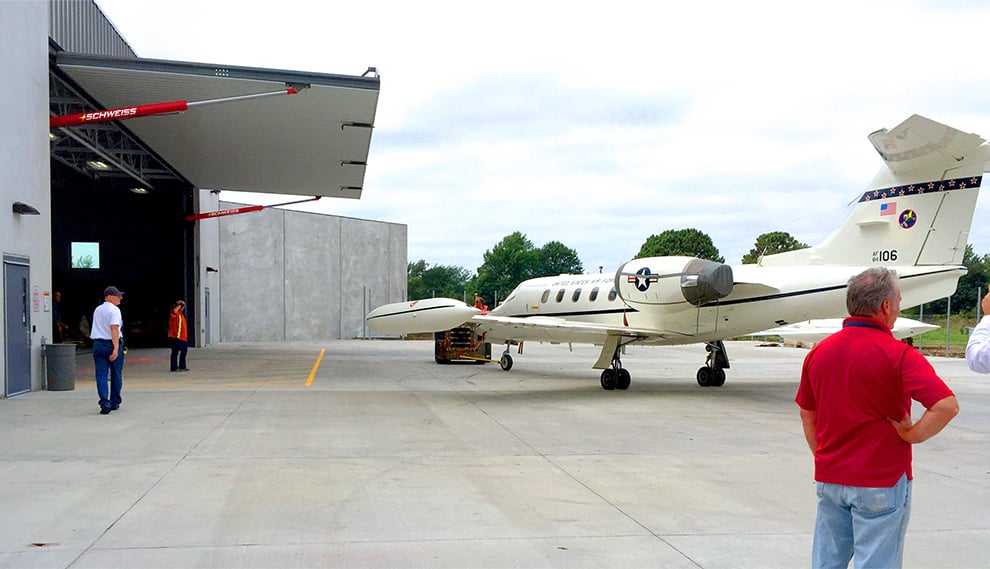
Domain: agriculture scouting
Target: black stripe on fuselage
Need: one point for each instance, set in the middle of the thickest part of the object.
(413, 311)
(724, 302)
(625, 309)
(810, 291)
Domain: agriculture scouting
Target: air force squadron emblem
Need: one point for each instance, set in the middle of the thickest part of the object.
(642, 279)
(908, 218)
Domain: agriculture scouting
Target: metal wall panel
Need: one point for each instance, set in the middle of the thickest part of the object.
(80, 26)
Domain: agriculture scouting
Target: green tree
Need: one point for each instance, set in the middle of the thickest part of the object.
(555, 258)
(972, 286)
(505, 265)
(425, 281)
(770, 243)
(688, 242)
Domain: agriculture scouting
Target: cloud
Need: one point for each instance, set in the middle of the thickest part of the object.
(598, 125)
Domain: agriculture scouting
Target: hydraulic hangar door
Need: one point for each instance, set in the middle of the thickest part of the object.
(236, 137)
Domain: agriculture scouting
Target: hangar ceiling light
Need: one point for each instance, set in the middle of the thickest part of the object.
(98, 165)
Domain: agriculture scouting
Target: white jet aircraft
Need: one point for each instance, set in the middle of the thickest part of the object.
(914, 217)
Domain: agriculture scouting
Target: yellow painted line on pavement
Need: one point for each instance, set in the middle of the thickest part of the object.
(316, 366)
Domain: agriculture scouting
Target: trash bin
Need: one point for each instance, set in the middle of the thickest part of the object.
(60, 363)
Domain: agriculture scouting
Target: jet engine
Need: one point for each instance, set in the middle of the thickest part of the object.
(665, 281)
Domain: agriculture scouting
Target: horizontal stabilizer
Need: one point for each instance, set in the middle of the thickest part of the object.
(920, 145)
(817, 330)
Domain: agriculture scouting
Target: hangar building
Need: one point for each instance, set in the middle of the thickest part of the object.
(100, 203)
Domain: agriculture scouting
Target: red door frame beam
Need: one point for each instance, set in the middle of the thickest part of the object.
(170, 107)
(246, 209)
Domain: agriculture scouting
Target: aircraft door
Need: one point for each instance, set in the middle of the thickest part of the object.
(17, 319)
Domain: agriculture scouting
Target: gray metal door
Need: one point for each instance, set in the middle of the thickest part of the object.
(17, 316)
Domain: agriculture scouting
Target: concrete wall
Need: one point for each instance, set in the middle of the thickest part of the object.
(289, 275)
(24, 157)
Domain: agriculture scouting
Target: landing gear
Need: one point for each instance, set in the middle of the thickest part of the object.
(712, 374)
(505, 362)
(616, 377)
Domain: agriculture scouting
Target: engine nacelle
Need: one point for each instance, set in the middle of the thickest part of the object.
(665, 281)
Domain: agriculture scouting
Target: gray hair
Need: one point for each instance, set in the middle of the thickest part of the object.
(867, 291)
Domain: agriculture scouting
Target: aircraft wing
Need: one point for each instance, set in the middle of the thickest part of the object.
(560, 330)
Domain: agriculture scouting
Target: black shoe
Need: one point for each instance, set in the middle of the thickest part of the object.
(115, 407)
(104, 411)
(173, 370)
(184, 369)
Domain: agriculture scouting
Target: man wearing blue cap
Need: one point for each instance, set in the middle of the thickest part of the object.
(108, 349)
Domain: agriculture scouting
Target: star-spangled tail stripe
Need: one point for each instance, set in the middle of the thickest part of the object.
(923, 188)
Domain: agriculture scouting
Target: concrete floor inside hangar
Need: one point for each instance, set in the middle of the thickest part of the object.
(388, 460)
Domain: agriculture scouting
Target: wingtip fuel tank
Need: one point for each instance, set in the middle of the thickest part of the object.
(427, 315)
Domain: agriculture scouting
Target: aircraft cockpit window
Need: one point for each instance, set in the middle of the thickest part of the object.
(560, 295)
(576, 295)
(594, 294)
(546, 296)
(612, 294)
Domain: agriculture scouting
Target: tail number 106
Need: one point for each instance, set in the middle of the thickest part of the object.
(885, 255)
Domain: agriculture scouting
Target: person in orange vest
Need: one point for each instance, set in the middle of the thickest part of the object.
(178, 336)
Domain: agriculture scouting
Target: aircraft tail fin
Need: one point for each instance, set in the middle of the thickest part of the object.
(917, 210)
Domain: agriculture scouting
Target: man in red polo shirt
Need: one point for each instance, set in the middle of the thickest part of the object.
(855, 399)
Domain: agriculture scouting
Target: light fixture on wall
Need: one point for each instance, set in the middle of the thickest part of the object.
(139, 190)
(22, 208)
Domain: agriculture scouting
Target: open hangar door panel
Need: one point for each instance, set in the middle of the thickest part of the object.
(312, 143)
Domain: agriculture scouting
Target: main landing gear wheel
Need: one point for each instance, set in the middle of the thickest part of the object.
(613, 378)
(712, 374)
(711, 377)
(505, 362)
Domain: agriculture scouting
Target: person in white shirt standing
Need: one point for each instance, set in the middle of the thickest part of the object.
(978, 347)
(108, 349)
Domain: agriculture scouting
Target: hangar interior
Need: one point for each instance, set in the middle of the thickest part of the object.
(135, 241)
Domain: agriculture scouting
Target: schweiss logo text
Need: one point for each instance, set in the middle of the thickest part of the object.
(114, 114)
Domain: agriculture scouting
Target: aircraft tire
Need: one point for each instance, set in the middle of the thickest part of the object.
(718, 378)
(608, 379)
(704, 376)
(623, 380)
(505, 362)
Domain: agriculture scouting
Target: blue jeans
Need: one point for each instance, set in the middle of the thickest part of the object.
(178, 357)
(866, 523)
(109, 398)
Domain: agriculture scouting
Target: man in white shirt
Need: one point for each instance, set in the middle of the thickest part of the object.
(108, 346)
(978, 347)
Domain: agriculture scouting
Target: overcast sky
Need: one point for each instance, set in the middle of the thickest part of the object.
(598, 124)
